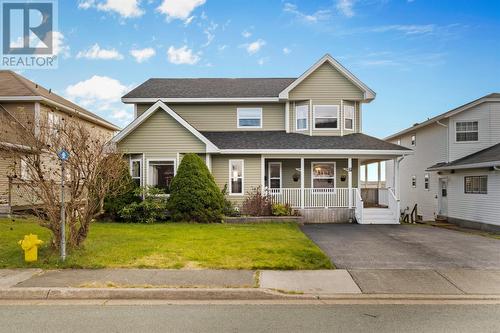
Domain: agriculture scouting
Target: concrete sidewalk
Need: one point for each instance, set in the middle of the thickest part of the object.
(241, 284)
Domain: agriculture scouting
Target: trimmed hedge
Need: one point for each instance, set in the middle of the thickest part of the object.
(194, 196)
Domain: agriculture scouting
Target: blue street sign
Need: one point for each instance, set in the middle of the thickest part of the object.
(63, 155)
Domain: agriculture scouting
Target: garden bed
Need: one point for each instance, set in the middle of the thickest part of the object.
(264, 219)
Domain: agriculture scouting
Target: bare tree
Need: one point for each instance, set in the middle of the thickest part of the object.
(94, 169)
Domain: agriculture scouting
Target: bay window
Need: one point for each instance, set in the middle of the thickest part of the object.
(326, 116)
(161, 173)
(136, 171)
(302, 112)
(349, 117)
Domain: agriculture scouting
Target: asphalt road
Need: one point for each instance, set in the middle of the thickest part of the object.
(249, 318)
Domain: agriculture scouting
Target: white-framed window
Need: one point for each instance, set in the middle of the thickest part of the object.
(476, 184)
(302, 122)
(24, 169)
(399, 142)
(274, 175)
(467, 131)
(160, 173)
(236, 177)
(249, 117)
(323, 175)
(413, 139)
(136, 170)
(349, 117)
(414, 181)
(53, 124)
(326, 117)
(426, 181)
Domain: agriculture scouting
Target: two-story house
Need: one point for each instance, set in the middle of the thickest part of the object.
(455, 170)
(26, 104)
(299, 138)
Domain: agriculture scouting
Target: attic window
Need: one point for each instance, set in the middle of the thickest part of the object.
(249, 117)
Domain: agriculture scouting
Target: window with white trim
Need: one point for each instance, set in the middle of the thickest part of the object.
(236, 177)
(399, 142)
(476, 185)
(414, 181)
(24, 169)
(467, 131)
(323, 175)
(426, 181)
(326, 116)
(414, 140)
(136, 170)
(161, 174)
(302, 122)
(274, 173)
(53, 124)
(349, 117)
(249, 117)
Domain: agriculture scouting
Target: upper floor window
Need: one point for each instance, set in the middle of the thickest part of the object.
(414, 181)
(302, 117)
(399, 142)
(326, 116)
(349, 117)
(249, 117)
(476, 185)
(426, 181)
(467, 131)
(414, 140)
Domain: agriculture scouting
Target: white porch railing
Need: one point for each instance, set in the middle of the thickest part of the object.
(314, 198)
(393, 204)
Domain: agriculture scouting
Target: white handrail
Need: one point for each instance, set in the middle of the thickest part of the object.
(394, 204)
(359, 206)
(312, 197)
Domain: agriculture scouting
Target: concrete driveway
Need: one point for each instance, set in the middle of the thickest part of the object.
(353, 246)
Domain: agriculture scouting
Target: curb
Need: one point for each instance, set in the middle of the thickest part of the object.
(179, 294)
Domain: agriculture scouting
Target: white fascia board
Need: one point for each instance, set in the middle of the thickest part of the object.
(202, 100)
(346, 152)
(210, 147)
(447, 114)
(467, 166)
(369, 94)
(20, 98)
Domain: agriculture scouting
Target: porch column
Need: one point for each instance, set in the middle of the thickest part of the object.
(262, 173)
(302, 171)
(208, 161)
(396, 178)
(349, 180)
(379, 174)
(366, 175)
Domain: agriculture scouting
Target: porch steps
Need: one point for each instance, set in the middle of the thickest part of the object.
(379, 216)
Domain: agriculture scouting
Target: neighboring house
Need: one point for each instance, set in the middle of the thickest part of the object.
(455, 170)
(24, 103)
(299, 138)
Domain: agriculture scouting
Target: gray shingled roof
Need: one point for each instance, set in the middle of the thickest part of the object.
(283, 140)
(491, 154)
(210, 88)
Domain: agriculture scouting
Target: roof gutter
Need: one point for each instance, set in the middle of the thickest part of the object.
(493, 164)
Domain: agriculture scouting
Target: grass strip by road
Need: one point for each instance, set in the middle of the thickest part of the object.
(171, 245)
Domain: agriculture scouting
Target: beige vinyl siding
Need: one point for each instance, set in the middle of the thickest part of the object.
(223, 117)
(161, 135)
(251, 180)
(289, 167)
(5, 169)
(141, 108)
(23, 113)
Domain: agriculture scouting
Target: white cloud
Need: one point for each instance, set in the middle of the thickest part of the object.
(209, 31)
(60, 48)
(319, 15)
(142, 55)
(286, 50)
(125, 8)
(262, 61)
(255, 47)
(246, 34)
(410, 29)
(346, 7)
(222, 47)
(179, 9)
(182, 56)
(95, 52)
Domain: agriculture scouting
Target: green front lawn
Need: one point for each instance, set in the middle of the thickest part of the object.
(179, 245)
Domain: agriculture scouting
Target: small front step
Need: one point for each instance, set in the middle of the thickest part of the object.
(379, 216)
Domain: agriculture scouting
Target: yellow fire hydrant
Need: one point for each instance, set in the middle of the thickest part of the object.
(30, 245)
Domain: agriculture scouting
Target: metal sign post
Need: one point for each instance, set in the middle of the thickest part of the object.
(63, 156)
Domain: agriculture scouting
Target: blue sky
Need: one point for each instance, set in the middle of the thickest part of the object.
(421, 57)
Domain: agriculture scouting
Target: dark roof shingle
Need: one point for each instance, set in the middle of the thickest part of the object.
(490, 154)
(282, 140)
(210, 88)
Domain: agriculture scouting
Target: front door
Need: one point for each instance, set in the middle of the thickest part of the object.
(443, 196)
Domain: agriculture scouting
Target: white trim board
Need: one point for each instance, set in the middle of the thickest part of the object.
(200, 100)
(210, 147)
(369, 94)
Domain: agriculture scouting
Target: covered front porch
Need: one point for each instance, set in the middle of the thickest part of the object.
(328, 183)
